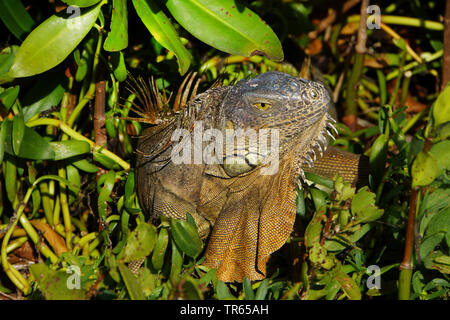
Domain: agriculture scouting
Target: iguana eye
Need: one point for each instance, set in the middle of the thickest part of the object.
(262, 105)
(314, 94)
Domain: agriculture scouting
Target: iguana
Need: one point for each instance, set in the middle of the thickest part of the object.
(247, 213)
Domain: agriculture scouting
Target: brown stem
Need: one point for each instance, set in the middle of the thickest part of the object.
(406, 263)
(99, 113)
(446, 63)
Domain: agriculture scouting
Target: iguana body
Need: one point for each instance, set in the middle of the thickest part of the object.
(248, 214)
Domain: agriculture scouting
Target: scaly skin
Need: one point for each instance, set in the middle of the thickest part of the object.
(251, 215)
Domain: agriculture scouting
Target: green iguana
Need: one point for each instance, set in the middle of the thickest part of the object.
(247, 212)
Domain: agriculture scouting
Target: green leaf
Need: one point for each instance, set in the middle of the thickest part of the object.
(47, 91)
(8, 97)
(424, 169)
(140, 242)
(7, 56)
(223, 293)
(176, 264)
(18, 133)
(16, 18)
(248, 291)
(429, 243)
(69, 148)
(132, 284)
(438, 261)
(441, 108)
(314, 229)
(348, 285)
(119, 67)
(81, 3)
(85, 166)
(227, 26)
(10, 172)
(54, 285)
(363, 206)
(262, 290)
(441, 152)
(160, 249)
(440, 222)
(186, 237)
(118, 37)
(106, 161)
(51, 42)
(107, 180)
(162, 29)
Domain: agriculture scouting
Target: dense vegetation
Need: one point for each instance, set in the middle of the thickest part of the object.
(69, 216)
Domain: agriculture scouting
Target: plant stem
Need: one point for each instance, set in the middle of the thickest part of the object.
(75, 135)
(404, 21)
(404, 285)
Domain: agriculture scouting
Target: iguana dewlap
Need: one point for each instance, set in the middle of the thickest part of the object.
(247, 214)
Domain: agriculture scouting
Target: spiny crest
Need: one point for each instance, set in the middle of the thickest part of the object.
(153, 104)
(319, 145)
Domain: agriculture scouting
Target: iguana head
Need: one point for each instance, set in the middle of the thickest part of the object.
(296, 107)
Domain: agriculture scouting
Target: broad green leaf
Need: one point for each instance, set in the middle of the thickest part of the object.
(440, 222)
(441, 152)
(424, 169)
(81, 3)
(47, 91)
(119, 67)
(57, 285)
(147, 281)
(176, 264)
(363, 206)
(10, 172)
(378, 156)
(52, 41)
(8, 97)
(248, 291)
(118, 37)
(438, 261)
(160, 249)
(186, 237)
(85, 166)
(106, 161)
(132, 284)
(318, 197)
(84, 60)
(107, 182)
(429, 243)
(162, 29)
(18, 133)
(348, 285)
(314, 228)
(16, 18)
(227, 26)
(441, 109)
(140, 242)
(7, 56)
(69, 148)
(262, 290)
(223, 293)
